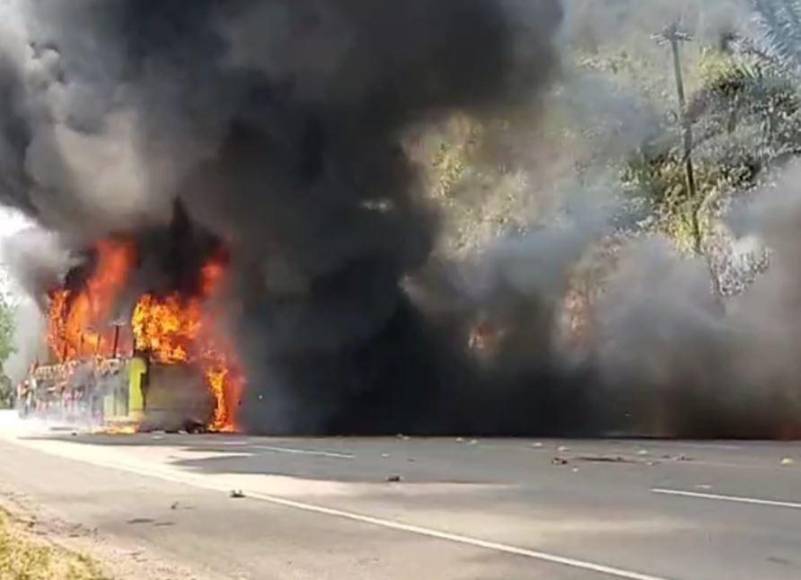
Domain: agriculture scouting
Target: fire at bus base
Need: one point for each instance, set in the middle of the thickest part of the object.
(162, 364)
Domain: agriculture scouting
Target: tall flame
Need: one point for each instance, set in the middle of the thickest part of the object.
(78, 317)
(172, 329)
(175, 329)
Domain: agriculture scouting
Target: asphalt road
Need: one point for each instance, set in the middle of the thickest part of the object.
(399, 508)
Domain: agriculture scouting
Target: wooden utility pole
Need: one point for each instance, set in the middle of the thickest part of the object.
(674, 36)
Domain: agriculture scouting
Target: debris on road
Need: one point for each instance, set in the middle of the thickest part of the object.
(604, 459)
(394, 479)
(788, 461)
(559, 461)
(236, 494)
(677, 458)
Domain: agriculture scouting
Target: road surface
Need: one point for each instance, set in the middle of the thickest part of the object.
(398, 508)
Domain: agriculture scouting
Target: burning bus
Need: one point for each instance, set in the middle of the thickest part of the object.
(142, 360)
(125, 393)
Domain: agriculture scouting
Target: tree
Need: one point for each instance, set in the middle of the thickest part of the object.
(6, 350)
(781, 25)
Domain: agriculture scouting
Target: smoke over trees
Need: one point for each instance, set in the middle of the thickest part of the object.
(443, 216)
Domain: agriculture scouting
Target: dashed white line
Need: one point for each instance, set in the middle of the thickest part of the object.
(732, 498)
(720, 446)
(305, 452)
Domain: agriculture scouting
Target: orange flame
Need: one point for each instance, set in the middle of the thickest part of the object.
(172, 329)
(76, 317)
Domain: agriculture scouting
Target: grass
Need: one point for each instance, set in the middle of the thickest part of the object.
(23, 557)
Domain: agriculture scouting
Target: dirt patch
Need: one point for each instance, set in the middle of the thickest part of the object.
(25, 556)
(105, 557)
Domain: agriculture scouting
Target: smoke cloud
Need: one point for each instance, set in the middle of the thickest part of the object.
(279, 130)
(675, 364)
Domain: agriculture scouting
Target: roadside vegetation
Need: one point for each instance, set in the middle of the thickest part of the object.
(6, 350)
(677, 124)
(23, 557)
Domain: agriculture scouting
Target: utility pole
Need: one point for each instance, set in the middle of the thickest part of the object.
(673, 36)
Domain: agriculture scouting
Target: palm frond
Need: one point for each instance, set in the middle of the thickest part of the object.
(780, 21)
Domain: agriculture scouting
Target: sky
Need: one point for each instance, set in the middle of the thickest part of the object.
(11, 223)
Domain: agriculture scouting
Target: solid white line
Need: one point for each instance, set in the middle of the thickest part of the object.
(169, 474)
(734, 498)
(195, 481)
(460, 539)
(305, 452)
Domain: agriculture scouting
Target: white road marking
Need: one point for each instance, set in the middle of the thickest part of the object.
(195, 481)
(305, 452)
(733, 498)
(201, 482)
(458, 538)
(721, 446)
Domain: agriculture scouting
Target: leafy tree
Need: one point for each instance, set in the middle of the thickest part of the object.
(746, 117)
(6, 350)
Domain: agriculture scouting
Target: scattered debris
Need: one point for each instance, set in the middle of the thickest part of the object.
(788, 461)
(394, 479)
(460, 439)
(677, 458)
(604, 459)
(559, 461)
(537, 445)
(385, 455)
(562, 449)
(236, 494)
(642, 452)
(174, 506)
(403, 437)
(473, 442)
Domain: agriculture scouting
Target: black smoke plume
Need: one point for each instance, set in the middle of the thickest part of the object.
(280, 126)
